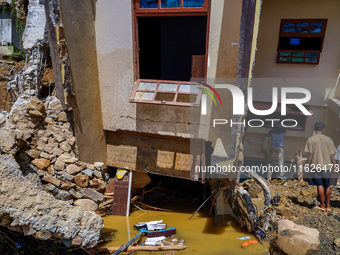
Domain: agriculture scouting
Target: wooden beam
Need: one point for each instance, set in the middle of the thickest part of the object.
(150, 248)
(243, 68)
(54, 49)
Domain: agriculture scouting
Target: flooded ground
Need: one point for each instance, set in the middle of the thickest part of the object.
(199, 233)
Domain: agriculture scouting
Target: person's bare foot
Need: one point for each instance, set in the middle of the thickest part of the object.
(320, 208)
(328, 209)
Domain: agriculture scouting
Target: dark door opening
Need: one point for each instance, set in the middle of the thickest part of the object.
(167, 45)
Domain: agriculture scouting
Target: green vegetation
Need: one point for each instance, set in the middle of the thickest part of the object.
(19, 25)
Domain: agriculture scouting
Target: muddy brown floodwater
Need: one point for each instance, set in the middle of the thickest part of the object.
(199, 233)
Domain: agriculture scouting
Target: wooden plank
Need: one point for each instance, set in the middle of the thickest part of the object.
(153, 154)
(140, 180)
(121, 191)
(197, 66)
(149, 248)
(165, 159)
(54, 48)
(122, 156)
(183, 162)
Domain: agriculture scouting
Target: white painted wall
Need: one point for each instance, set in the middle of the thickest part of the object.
(319, 79)
(5, 31)
(114, 42)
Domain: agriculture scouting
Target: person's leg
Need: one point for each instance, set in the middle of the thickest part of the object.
(270, 161)
(269, 175)
(280, 156)
(321, 195)
(326, 183)
(328, 198)
(270, 154)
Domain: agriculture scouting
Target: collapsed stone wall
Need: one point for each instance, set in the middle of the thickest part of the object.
(28, 209)
(35, 45)
(38, 136)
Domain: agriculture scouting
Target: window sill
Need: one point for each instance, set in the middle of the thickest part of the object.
(162, 92)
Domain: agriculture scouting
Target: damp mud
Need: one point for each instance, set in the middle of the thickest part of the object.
(200, 233)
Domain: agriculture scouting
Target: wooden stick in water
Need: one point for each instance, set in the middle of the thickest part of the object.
(150, 248)
(154, 208)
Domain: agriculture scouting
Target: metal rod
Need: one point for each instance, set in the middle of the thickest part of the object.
(203, 203)
(121, 249)
(129, 194)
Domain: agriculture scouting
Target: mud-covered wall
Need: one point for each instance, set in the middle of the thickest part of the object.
(78, 20)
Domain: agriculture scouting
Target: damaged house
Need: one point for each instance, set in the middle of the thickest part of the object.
(138, 79)
(297, 50)
(143, 83)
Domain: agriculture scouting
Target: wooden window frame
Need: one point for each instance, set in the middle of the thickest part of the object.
(171, 11)
(176, 93)
(296, 34)
(168, 12)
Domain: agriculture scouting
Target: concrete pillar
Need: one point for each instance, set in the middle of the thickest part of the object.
(78, 21)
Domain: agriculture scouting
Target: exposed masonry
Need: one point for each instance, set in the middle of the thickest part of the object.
(35, 45)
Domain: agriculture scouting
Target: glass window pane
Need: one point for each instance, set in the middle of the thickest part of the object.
(298, 54)
(285, 54)
(297, 59)
(148, 4)
(284, 59)
(311, 60)
(165, 97)
(193, 3)
(288, 30)
(294, 41)
(317, 24)
(185, 88)
(302, 30)
(186, 98)
(170, 3)
(289, 24)
(167, 87)
(315, 30)
(311, 54)
(148, 96)
(147, 85)
(303, 24)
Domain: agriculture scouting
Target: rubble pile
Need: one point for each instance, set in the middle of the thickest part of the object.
(295, 239)
(51, 147)
(28, 209)
(299, 201)
(296, 201)
(38, 136)
(35, 45)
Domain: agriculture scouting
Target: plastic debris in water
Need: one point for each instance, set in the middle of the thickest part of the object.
(249, 242)
(120, 173)
(150, 225)
(19, 246)
(154, 240)
(244, 238)
(260, 232)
